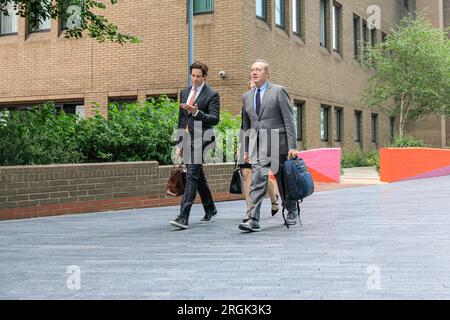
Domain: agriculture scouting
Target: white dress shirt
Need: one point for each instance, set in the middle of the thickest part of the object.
(199, 89)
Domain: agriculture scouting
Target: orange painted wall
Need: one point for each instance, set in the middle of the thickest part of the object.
(398, 164)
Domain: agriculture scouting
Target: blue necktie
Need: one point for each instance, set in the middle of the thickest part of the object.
(258, 102)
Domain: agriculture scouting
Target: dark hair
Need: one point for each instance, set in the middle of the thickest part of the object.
(201, 66)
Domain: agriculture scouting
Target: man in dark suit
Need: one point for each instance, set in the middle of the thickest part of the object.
(199, 113)
(267, 119)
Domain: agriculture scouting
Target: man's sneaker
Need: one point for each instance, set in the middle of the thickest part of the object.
(251, 225)
(180, 222)
(209, 217)
(291, 218)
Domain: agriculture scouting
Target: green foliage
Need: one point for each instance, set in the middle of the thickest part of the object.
(82, 14)
(359, 159)
(39, 136)
(133, 132)
(140, 131)
(227, 136)
(406, 142)
(412, 72)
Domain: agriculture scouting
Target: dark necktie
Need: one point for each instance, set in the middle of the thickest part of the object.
(258, 101)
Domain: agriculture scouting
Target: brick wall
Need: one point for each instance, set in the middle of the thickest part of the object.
(317, 75)
(33, 191)
(229, 39)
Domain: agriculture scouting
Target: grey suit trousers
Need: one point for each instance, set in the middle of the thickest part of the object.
(258, 188)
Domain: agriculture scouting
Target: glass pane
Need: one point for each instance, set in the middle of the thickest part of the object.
(295, 16)
(336, 25)
(260, 8)
(322, 124)
(8, 22)
(323, 26)
(278, 12)
(203, 6)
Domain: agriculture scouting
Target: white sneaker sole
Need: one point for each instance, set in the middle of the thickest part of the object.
(179, 225)
(244, 228)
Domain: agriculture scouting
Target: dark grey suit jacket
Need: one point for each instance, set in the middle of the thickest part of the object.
(276, 113)
(208, 103)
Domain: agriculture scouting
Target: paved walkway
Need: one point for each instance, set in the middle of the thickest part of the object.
(360, 175)
(372, 242)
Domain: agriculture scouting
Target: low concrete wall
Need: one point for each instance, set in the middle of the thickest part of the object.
(34, 191)
(397, 164)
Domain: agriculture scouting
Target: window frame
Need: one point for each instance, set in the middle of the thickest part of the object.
(358, 126)
(392, 128)
(297, 17)
(374, 122)
(338, 111)
(263, 8)
(324, 36)
(356, 36)
(11, 14)
(324, 121)
(337, 26)
(205, 11)
(299, 107)
(282, 14)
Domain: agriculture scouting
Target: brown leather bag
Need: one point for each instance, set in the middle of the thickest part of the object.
(176, 182)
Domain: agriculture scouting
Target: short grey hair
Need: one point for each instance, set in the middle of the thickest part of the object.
(265, 63)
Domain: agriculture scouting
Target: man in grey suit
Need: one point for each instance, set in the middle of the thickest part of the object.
(270, 138)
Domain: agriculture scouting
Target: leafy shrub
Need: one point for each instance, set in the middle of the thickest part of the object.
(134, 132)
(140, 131)
(39, 136)
(359, 159)
(406, 141)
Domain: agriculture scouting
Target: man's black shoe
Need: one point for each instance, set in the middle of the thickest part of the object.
(180, 222)
(251, 225)
(209, 217)
(291, 218)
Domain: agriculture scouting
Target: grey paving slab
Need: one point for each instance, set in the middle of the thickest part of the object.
(389, 241)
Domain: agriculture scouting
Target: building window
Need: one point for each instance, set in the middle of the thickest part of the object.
(356, 36)
(158, 98)
(406, 4)
(337, 20)
(41, 26)
(373, 37)
(261, 9)
(358, 119)
(279, 13)
(298, 116)
(297, 17)
(324, 122)
(324, 23)
(8, 22)
(392, 128)
(365, 40)
(121, 102)
(374, 127)
(338, 124)
(203, 6)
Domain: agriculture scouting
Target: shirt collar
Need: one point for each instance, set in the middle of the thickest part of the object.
(199, 88)
(263, 87)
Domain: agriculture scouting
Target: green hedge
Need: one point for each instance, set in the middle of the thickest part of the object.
(359, 159)
(406, 142)
(140, 131)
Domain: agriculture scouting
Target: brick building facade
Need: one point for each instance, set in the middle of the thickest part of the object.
(311, 55)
